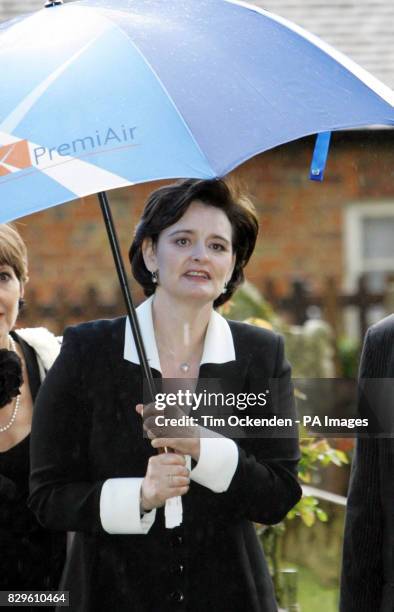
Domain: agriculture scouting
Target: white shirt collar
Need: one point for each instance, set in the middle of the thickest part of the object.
(218, 344)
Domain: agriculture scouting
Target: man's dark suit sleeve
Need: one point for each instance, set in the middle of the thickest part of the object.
(362, 568)
(63, 496)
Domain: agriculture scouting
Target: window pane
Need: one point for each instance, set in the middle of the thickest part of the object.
(376, 280)
(378, 237)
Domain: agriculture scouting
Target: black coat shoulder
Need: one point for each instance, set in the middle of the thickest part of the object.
(377, 359)
(98, 332)
(243, 333)
(254, 336)
(254, 333)
(264, 348)
(383, 330)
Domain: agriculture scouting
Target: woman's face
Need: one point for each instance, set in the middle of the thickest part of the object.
(10, 292)
(194, 256)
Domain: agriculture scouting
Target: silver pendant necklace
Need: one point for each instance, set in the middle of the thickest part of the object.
(18, 399)
(184, 367)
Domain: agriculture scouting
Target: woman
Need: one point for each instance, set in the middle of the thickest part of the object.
(31, 558)
(95, 473)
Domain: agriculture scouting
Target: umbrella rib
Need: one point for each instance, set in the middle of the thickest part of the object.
(163, 87)
(11, 122)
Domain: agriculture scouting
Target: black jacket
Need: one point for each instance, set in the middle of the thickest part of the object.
(86, 430)
(368, 556)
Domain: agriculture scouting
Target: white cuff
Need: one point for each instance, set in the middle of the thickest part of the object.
(217, 463)
(120, 507)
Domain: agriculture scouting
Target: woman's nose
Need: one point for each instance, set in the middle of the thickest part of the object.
(200, 252)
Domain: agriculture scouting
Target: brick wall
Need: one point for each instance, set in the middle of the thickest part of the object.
(301, 220)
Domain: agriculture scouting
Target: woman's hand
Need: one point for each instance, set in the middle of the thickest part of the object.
(184, 439)
(185, 446)
(167, 476)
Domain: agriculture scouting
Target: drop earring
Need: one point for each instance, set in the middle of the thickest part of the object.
(225, 288)
(155, 277)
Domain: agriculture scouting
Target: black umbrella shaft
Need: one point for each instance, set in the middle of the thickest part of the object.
(114, 242)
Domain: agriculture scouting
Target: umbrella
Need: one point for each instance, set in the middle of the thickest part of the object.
(100, 94)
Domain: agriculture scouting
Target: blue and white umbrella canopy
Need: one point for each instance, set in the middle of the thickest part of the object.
(100, 94)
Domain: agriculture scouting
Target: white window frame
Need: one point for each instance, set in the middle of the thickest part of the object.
(355, 214)
(355, 263)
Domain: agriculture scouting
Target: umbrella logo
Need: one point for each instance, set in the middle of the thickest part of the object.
(14, 157)
(26, 155)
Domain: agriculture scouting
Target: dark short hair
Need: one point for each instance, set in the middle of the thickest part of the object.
(168, 204)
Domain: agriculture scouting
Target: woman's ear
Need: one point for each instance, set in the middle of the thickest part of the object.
(149, 254)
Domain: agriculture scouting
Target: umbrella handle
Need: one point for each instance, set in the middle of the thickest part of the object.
(131, 313)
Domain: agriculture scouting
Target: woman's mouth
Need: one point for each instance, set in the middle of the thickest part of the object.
(198, 275)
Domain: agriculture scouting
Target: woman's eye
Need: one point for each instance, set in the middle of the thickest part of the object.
(216, 246)
(5, 276)
(182, 241)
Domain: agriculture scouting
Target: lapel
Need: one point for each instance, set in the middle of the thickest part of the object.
(127, 390)
(227, 378)
(128, 379)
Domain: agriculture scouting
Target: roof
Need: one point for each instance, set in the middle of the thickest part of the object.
(362, 29)
(10, 8)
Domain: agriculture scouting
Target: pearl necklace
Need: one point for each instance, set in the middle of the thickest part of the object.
(18, 399)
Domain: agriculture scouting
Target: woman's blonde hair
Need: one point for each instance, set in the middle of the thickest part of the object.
(13, 251)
